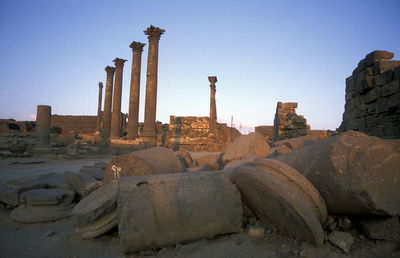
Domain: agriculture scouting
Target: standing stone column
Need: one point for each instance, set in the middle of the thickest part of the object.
(133, 118)
(116, 112)
(108, 101)
(149, 130)
(99, 107)
(43, 120)
(213, 106)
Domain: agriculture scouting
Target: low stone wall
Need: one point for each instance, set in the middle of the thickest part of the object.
(80, 124)
(373, 96)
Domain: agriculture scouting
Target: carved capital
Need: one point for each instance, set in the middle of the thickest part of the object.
(100, 85)
(119, 61)
(137, 46)
(212, 79)
(154, 32)
(110, 70)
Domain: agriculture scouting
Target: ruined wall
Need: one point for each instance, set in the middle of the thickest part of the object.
(287, 123)
(373, 96)
(80, 124)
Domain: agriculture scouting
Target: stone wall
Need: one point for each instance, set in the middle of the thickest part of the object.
(373, 96)
(80, 124)
(287, 123)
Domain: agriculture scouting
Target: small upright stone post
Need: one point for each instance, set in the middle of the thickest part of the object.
(43, 120)
(149, 130)
(116, 112)
(99, 107)
(108, 102)
(133, 118)
(213, 106)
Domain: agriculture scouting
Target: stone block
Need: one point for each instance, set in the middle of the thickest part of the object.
(377, 55)
(372, 121)
(384, 65)
(394, 100)
(391, 130)
(81, 183)
(356, 174)
(371, 95)
(214, 159)
(381, 228)
(396, 75)
(382, 105)
(343, 240)
(390, 88)
(99, 227)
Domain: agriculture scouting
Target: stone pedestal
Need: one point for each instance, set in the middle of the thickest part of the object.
(116, 129)
(213, 106)
(108, 102)
(98, 128)
(133, 119)
(43, 120)
(149, 130)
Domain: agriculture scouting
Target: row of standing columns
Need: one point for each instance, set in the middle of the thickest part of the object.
(111, 118)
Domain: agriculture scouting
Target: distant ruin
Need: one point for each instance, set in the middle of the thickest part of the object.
(287, 123)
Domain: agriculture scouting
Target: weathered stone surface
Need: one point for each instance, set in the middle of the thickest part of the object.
(96, 205)
(81, 182)
(299, 142)
(384, 65)
(257, 232)
(159, 210)
(237, 163)
(157, 160)
(214, 159)
(390, 88)
(372, 95)
(245, 146)
(279, 150)
(343, 240)
(99, 227)
(96, 171)
(377, 55)
(380, 228)
(356, 174)
(279, 194)
(204, 167)
(43, 205)
(287, 124)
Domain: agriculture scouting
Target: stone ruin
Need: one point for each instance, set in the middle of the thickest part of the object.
(373, 96)
(287, 123)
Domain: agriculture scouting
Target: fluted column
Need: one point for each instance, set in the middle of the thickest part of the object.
(116, 111)
(213, 106)
(108, 101)
(149, 130)
(133, 117)
(43, 121)
(99, 107)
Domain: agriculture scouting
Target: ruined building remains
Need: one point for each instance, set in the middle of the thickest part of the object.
(99, 115)
(287, 123)
(373, 96)
(43, 120)
(108, 101)
(116, 130)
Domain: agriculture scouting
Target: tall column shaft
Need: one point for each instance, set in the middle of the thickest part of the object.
(133, 118)
(116, 129)
(99, 107)
(213, 106)
(43, 121)
(108, 102)
(149, 130)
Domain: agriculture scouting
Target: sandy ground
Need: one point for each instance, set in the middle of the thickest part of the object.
(57, 239)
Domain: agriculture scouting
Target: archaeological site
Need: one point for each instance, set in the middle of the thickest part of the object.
(113, 186)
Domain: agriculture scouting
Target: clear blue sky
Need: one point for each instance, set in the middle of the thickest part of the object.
(54, 52)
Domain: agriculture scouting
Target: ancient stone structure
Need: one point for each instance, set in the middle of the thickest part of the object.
(266, 130)
(43, 120)
(116, 129)
(79, 124)
(133, 119)
(108, 101)
(373, 96)
(213, 106)
(99, 107)
(149, 133)
(287, 123)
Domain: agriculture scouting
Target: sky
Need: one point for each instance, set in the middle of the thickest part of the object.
(53, 52)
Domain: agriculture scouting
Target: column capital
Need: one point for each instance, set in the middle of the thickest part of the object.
(154, 32)
(137, 46)
(212, 79)
(100, 85)
(110, 69)
(119, 61)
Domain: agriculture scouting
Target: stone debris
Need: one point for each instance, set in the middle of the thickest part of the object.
(44, 205)
(204, 167)
(98, 227)
(287, 123)
(245, 146)
(257, 232)
(279, 150)
(157, 160)
(82, 183)
(299, 142)
(48, 233)
(237, 163)
(97, 170)
(343, 240)
(280, 195)
(380, 228)
(213, 159)
(159, 210)
(356, 174)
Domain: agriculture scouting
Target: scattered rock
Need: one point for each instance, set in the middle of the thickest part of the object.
(237, 163)
(204, 167)
(299, 142)
(257, 232)
(95, 171)
(160, 210)
(342, 240)
(279, 150)
(81, 183)
(213, 159)
(48, 233)
(380, 228)
(355, 173)
(99, 227)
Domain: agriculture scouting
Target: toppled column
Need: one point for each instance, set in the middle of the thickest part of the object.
(287, 123)
(98, 128)
(116, 129)
(133, 119)
(149, 130)
(108, 101)
(43, 120)
(213, 106)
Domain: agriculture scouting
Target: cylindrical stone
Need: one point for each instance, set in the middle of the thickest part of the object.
(133, 119)
(159, 210)
(43, 121)
(116, 128)
(99, 107)
(157, 160)
(108, 101)
(213, 106)
(149, 130)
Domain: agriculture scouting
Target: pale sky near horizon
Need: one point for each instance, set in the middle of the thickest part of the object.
(53, 52)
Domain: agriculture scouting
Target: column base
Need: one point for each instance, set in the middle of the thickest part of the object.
(149, 137)
(132, 136)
